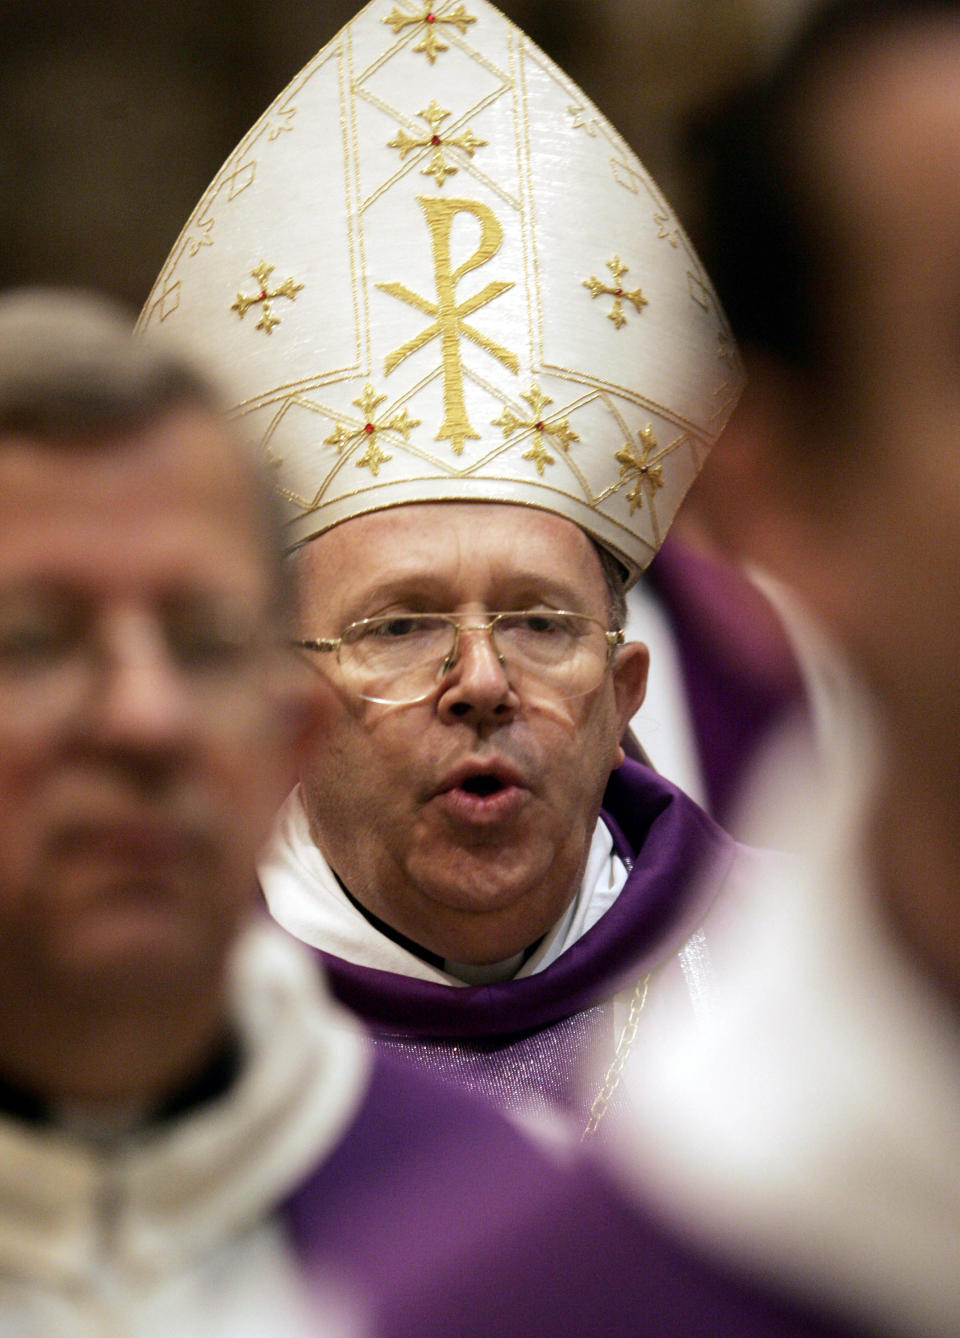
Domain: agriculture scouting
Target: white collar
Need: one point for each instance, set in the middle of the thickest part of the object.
(179, 1192)
(305, 898)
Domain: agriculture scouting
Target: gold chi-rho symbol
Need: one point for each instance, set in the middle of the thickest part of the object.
(449, 317)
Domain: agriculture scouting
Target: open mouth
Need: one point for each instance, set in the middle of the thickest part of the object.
(482, 785)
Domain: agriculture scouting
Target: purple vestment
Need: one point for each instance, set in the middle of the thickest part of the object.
(740, 672)
(441, 1220)
(525, 1042)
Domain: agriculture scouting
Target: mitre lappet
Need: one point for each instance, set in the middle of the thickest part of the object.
(433, 271)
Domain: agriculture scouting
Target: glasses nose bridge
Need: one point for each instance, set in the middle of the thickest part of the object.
(479, 624)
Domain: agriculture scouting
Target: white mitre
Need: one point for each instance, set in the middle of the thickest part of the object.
(433, 271)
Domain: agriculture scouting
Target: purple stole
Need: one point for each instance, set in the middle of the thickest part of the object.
(739, 669)
(439, 1219)
(524, 1042)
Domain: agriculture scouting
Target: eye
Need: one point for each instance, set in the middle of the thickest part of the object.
(401, 627)
(537, 623)
(543, 623)
(398, 627)
(37, 636)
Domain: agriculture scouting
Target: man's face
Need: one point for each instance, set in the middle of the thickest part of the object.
(462, 820)
(131, 706)
(886, 568)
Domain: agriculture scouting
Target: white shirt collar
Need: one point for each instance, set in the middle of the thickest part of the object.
(305, 898)
(183, 1189)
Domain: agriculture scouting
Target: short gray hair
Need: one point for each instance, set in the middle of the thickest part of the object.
(615, 579)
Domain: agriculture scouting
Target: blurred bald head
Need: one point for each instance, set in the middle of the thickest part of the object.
(69, 366)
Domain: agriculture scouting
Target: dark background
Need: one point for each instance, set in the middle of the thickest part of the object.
(115, 116)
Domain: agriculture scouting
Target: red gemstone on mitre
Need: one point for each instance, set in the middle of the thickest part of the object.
(262, 294)
(619, 293)
(368, 427)
(430, 18)
(435, 139)
(539, 426)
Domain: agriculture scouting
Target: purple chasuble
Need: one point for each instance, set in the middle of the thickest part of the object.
(740, 672)
(525, 1042)
(435, 1217)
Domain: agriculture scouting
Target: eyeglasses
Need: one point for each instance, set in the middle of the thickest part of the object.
(55, 646)
(401, 658)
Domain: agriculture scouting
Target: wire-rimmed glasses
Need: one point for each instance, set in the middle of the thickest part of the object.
(401, 658)
(58, 646)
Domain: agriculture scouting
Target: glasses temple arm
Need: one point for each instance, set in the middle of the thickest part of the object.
(319, 643)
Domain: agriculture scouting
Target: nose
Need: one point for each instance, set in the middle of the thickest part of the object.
(141, 701)
(477, 688)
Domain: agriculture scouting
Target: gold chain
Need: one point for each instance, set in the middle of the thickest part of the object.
(611, 1079)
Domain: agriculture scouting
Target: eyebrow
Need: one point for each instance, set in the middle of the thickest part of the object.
(422, 590)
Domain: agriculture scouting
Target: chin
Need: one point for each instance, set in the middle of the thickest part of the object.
(126, 959)
(479, 885)
(483, 919)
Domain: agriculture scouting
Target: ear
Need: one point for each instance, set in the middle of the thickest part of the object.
(630, 666)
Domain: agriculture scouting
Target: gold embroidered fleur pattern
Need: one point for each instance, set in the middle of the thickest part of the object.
(647, 471)
(430, 44)
(561, 433)
(202, 236)
(664, 230)
(373, 457)
(616, 291)
(582, 120)
(265, 296)
(438, 167)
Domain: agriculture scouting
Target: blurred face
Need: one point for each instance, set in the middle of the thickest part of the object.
(886, 568)
(865, 502)
(464, 819)
(133, 696)
(865, 514)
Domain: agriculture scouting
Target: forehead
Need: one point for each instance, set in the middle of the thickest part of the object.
(450, 553)
(167, 502)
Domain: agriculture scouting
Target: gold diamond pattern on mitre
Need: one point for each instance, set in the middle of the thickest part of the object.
(457, 307)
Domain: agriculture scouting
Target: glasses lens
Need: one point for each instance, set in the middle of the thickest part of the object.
(565, 651)
(403, 657)
(397, 658)
(56, 648)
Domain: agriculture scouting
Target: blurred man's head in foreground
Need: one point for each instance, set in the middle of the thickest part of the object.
(836, 209)
(148, 714)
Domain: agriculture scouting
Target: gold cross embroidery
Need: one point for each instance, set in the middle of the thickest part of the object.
(373, 457)
(448, 316)
(430, 44)
(648, 473)
(438, 166)
(560, 430)
(616, 291)
(265, 295)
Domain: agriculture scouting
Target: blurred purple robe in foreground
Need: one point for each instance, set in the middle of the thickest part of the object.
(488, 1234)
